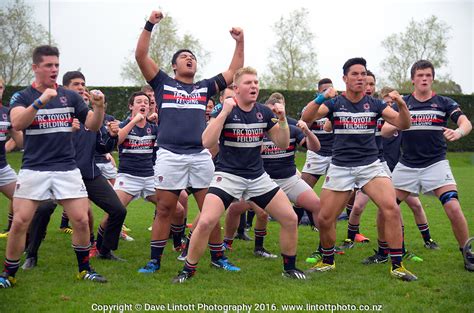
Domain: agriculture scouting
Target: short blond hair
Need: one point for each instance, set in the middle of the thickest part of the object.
(385, 91)
(242, 71)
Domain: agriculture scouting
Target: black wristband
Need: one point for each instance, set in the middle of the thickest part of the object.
(149, 26)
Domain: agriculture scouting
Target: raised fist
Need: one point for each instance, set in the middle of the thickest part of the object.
(279, 110)
(47, 95)
(331, 92)
(113, 128)
(155, 17)
(138, 118)
(97, 98)
(302, 125)
(237, 33)
(228, 105)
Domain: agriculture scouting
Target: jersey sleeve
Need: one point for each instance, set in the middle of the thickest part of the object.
(451, 105)
(211, 85)
(19, 99)
(158, 79)
(380, 105)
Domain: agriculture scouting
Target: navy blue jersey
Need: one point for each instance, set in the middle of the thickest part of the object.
(291, 121)
(354, 127)
(5, 126)
(379, 139)
(100, 158)
(391, 146)
(48, 140)
(326, 139)
(182, 112)
(391, 150)
(136, 151)
(423, 143)
(240, 141)
(280, 163)
(87, 143)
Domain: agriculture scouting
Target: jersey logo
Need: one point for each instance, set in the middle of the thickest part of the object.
(120, 183)
(63, 100)
(259, 116)
(366, 106)
(218, 179)
(236, 118)
(160, 179)
(148, 131)
(17, 186)
(4, 116)
(327, 179)
(434, 105)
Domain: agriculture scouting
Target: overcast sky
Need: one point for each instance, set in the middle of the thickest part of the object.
(99, 35)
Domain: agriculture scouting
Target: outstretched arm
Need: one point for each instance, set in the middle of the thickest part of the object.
(238, 58)
(147, 66)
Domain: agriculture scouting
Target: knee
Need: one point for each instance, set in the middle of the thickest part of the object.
(325, 221)
(81, 223)
(163, 211)
(179, 213)
(290, 220)
(20, 223)
(118, 213)
(391, 211)
(205, 224)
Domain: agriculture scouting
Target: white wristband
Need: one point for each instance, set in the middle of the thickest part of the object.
(460, 131)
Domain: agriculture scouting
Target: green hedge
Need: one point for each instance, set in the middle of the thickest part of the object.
(117, 98)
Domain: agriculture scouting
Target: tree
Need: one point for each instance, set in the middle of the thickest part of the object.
(165, 41)
(426, 40)
(293, 61)
(19, 35)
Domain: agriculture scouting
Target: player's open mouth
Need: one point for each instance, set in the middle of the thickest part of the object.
(189, 64)
(142, 110)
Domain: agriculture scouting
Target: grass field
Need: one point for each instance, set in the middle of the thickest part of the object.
(443, 285)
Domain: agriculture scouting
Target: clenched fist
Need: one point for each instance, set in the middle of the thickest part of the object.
(155, 17)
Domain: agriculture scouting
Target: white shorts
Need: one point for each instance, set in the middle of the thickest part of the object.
(44, 185)
(7, 175)
(108, 170)
(239, 187)
(179, 171)
(293, 186)
(135, 185)
(386, 168)
(424, 179)
(341, 178)
(316, 164)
